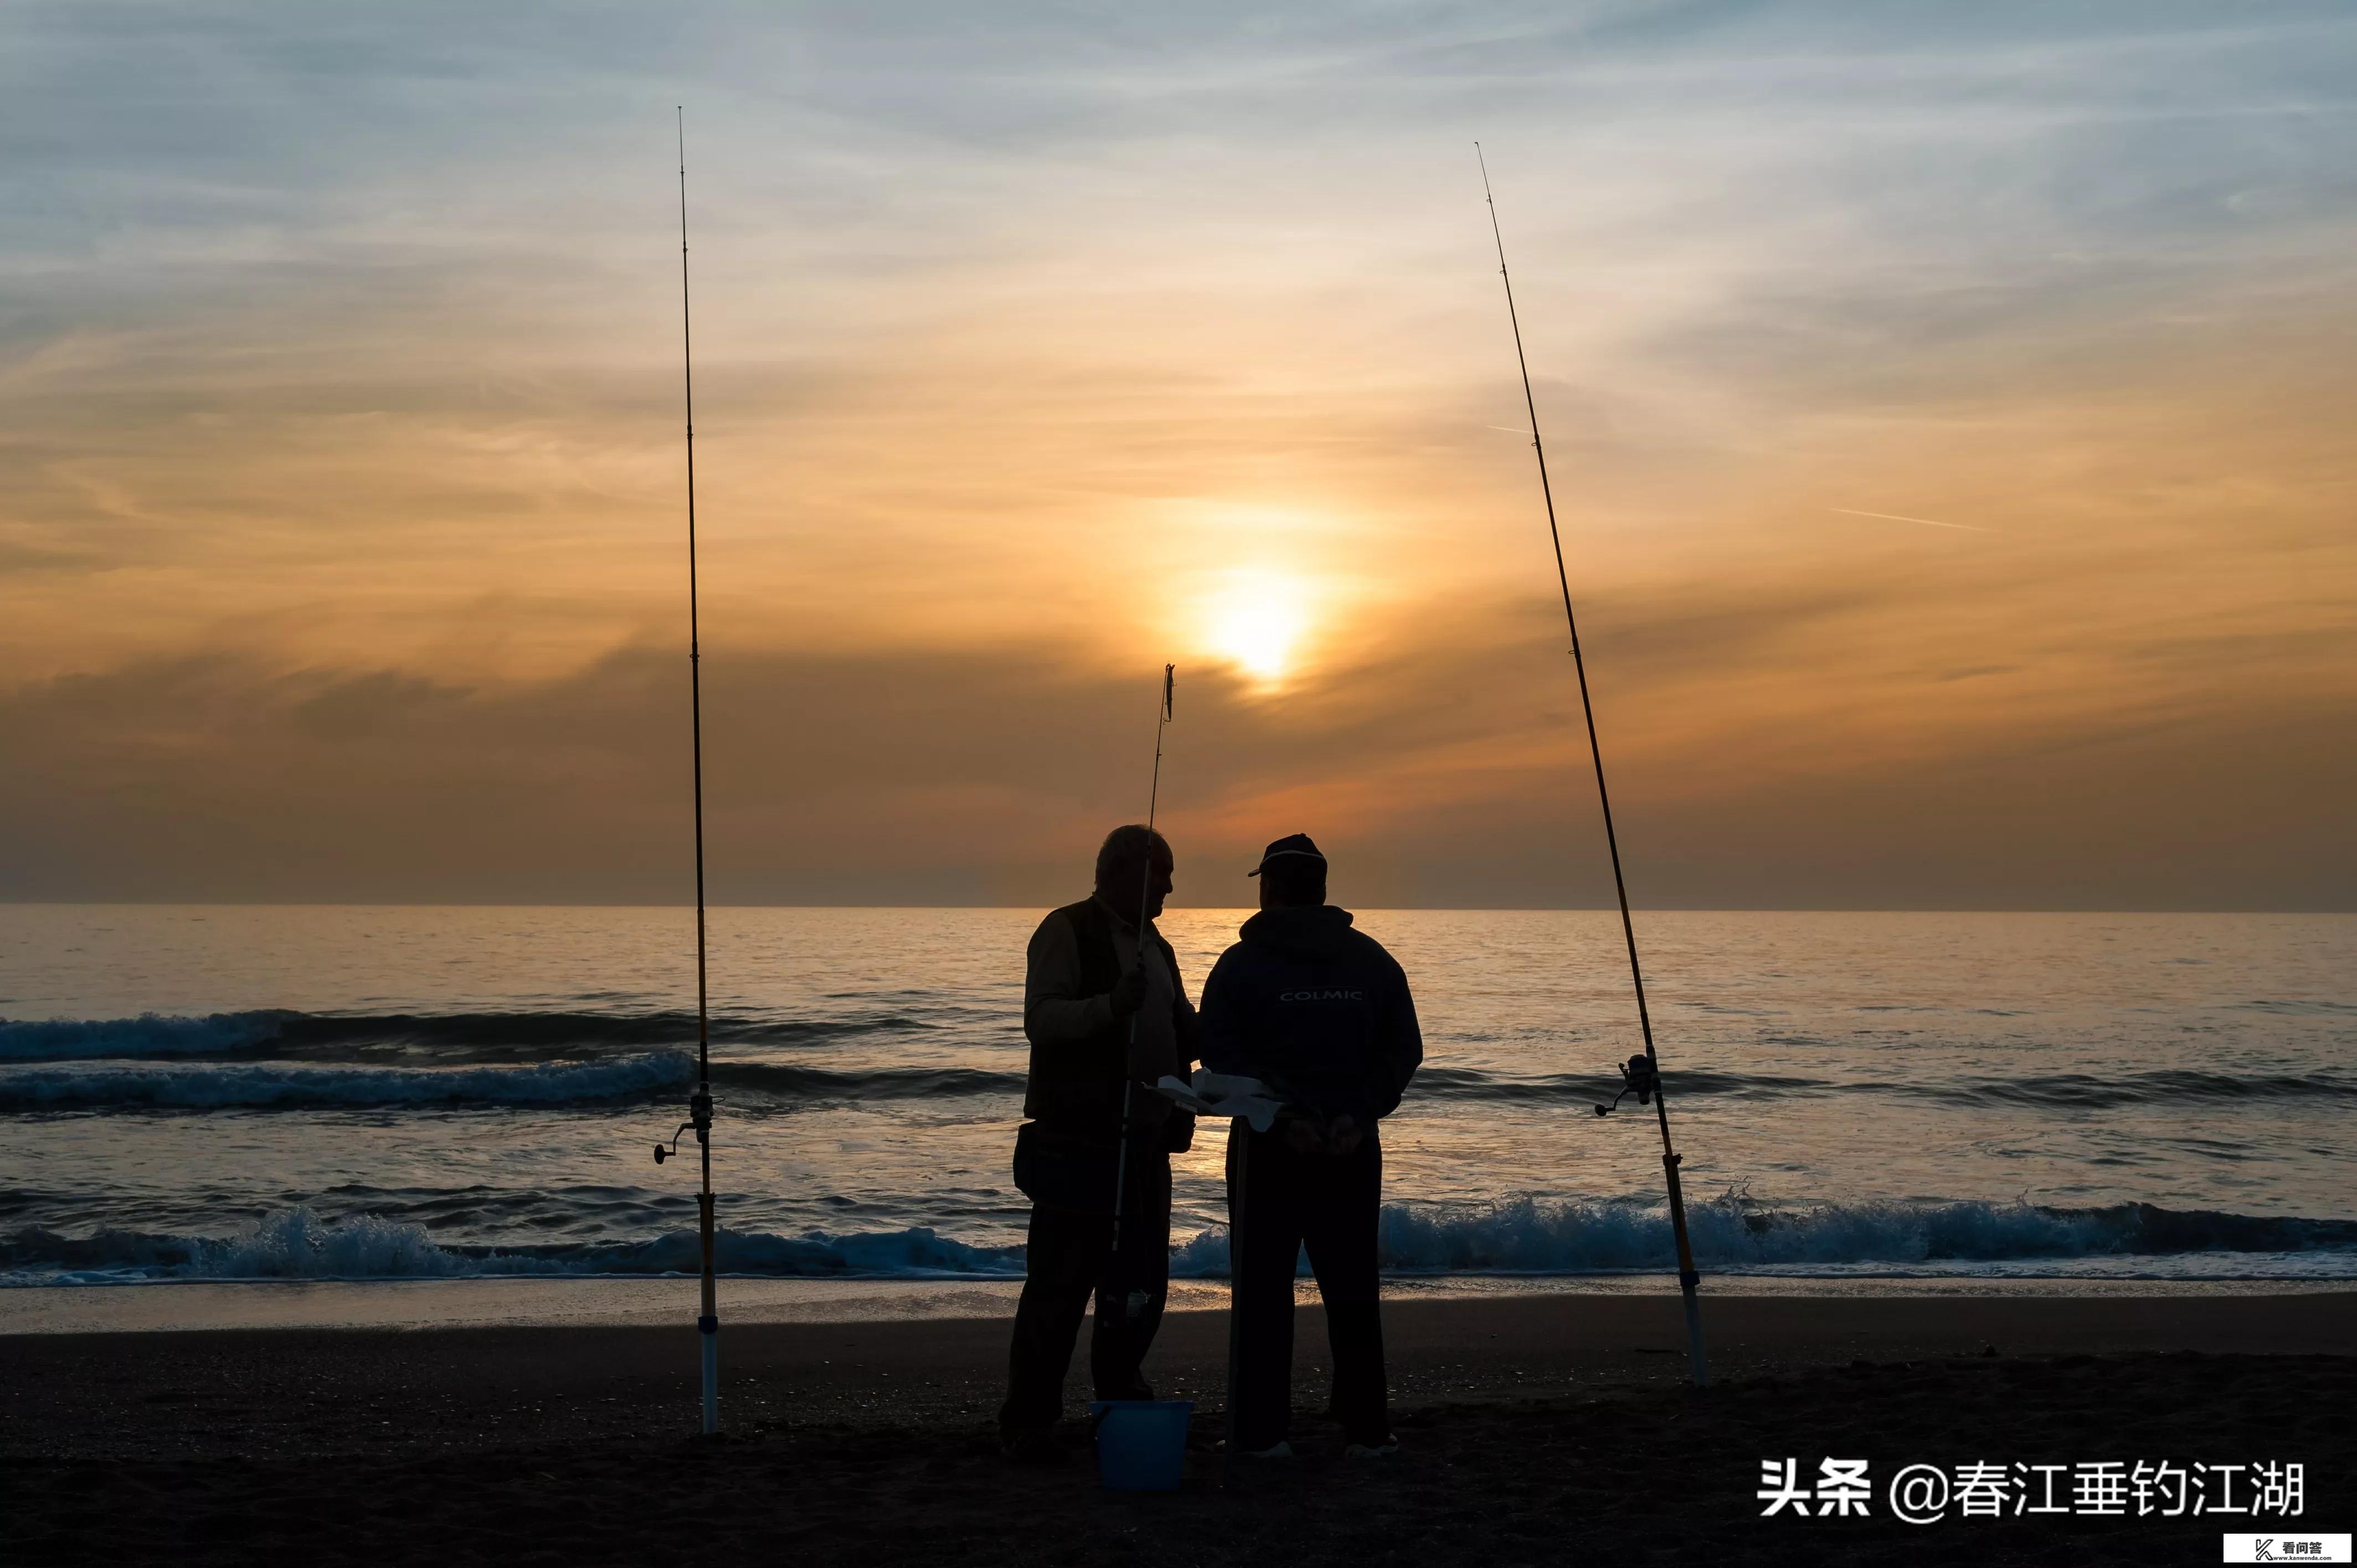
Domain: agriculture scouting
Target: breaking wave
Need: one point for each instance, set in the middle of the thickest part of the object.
(2059, 1090)
(296, 1243)
(1523, 1236)
(214, 1086)
(278, 1058)
(149, 1034)
(1519, 1237)
(117, 1085)
(498, 1036)
(1732, 1235)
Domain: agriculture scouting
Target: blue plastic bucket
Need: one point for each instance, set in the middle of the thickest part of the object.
(1141, 1444)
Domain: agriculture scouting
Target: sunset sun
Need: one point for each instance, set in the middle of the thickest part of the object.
(1256, 620)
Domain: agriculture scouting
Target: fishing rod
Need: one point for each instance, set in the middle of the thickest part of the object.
(1109, 1294)
(699, 1104)
(1640, 1075)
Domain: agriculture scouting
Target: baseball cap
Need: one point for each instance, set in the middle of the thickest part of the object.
(1291, 846)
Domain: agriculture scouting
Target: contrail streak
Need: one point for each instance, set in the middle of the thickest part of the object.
(1926, 522)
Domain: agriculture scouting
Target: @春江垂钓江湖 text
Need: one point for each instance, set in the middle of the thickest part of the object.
(1927, 1494)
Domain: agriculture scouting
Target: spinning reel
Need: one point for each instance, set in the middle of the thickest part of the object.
(1637, 1078)
(699, 1111)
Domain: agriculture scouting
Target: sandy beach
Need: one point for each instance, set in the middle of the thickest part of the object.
(1532, 1428)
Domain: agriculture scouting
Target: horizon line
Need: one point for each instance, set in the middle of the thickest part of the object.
(7, 902)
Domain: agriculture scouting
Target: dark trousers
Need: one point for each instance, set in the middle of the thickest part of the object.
(1066, 1258)
(1332, 1206)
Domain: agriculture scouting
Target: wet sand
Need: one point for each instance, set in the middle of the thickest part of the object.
(1533, 1428)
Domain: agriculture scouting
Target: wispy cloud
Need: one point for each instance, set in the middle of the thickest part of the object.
(1926, 522)
(344, 342)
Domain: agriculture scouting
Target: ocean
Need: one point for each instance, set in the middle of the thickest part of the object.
(415, 1094)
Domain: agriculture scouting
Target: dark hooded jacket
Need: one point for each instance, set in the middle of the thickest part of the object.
(1319, 1012)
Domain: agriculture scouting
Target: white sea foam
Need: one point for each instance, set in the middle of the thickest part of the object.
(1522, 1236)
(298, 1243)
(1527, 1237)
(1517, 1237)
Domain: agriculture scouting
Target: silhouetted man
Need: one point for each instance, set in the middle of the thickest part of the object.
(1321, 1014)
(1102, 1010)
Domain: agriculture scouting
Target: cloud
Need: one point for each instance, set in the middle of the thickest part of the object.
(1453, 772)
(340, 494)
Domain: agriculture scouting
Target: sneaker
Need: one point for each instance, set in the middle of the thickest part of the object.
(1280, 1449)
(1381, 1446)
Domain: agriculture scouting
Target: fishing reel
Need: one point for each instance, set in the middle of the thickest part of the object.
(1637, 1078)
(699, 1115)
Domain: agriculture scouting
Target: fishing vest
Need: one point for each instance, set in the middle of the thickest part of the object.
(1064, 1154)
(1076, 1085)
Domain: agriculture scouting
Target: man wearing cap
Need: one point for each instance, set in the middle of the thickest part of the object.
(1102, 1008)
(1320, 1014)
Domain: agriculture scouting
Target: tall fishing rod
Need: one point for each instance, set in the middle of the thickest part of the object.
(1108, 1292)
(1640, 1075)
(699, 1104)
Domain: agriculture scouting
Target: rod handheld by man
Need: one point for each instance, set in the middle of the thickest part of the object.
(1145, 897)
(1642, 1074)
(1104, 1010)
(699, 1104)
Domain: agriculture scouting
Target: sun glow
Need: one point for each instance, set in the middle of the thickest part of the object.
(1256, 620)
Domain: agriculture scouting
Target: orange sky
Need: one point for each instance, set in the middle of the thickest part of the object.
(340, 548)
